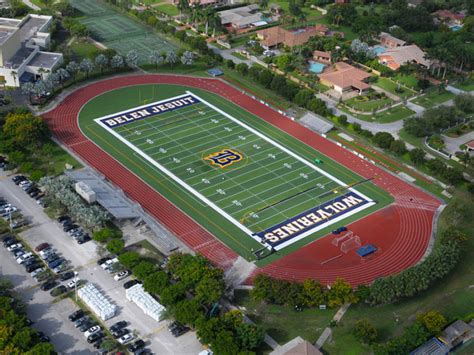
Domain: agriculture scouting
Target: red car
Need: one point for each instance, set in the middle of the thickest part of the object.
(42, 246)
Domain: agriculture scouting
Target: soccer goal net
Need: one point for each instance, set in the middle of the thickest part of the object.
(350, 244)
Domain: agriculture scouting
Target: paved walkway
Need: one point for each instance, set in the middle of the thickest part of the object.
(417, 108)
(328, 331)
(227, 54)
(31, 5)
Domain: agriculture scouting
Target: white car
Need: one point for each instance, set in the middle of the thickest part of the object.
(121, 275)
(126, 338)
(73, 283)
(23, 258)
(14, 246)
(92, 330)
(108, 263)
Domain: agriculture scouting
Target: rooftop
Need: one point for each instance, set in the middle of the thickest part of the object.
(5, 33)
(44, 60)
(297, 346)
(387, 37)
(395, 57)
(345, 76)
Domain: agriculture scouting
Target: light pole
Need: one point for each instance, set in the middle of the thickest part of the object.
(75, 283)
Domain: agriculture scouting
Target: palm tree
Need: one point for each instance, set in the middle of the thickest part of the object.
(183, 6)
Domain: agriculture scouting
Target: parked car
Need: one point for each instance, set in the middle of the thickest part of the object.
(18, 252)
(64, 218)
(38, 271)
(51, 257)
(18, 178)
(139, 344)
(81, 321)
(106, 265)
(84, 239)
(55, 263)
(33, 267)
(92, 330)
(119, 325)
(58, 290)
(30, 262)
(68, 227)
(41, 247)
(14, 247)
(43, 337)
(120, 333)
(9, 241)
(95, 337)
(66, 276)
(103, 260)
(47, 254)
(121, 275)
(60, 268)
(73, 283)
(130, 283)
(20, 260)
(48, 285)
(127, 338)
(76, 315)
(85, 326)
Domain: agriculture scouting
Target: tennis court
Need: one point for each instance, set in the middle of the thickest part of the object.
(119, 32)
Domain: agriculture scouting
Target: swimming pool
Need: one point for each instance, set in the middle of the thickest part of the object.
(316, 67)
(455, 27)
(379, 49)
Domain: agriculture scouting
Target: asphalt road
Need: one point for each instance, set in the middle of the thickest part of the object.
(83, 259)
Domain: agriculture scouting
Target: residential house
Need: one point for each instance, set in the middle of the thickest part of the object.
(297, 346)
(432, 347)
(448, 17)
(21, 49)
(389, 41)
(242, 17)
(275, 36)
(394, 58)
(321, 56)
(344, 77)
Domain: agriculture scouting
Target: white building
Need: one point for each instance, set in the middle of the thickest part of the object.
(21, 44)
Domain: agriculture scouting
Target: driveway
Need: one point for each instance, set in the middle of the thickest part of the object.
(83, 259)
(227, 54)
(452, 144)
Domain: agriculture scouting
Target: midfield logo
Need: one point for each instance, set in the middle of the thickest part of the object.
(224, 158)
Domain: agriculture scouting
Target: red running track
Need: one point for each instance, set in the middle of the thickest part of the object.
(401, 231)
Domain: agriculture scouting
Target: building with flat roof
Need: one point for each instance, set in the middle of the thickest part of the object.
(21, 49)
(242, 17)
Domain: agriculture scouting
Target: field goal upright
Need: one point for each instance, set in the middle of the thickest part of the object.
(350, 244)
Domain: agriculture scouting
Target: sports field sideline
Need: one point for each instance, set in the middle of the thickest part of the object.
(261, 186)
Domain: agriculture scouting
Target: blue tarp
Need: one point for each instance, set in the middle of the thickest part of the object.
(215, 72)
(366, 250)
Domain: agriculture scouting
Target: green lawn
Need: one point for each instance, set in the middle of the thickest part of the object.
(283, 323)
(233, 199)
(391, 87)
(467, 85)
(364, 103)
(453, 296)
(393, 114)
(84, 49)
(408, 80)
(167, 9)
(310, 14)
(433, 97)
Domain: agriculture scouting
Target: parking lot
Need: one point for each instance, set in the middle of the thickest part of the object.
(83, 258)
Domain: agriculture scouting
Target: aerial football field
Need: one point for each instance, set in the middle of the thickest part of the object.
(253, 186)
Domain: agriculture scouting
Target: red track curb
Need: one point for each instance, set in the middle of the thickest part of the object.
(401, 231)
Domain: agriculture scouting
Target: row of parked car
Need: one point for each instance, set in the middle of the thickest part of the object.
(73, 230)
(30, 188)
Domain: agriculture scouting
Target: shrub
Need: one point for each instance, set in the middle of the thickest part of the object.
(365, 332)
(115, 246)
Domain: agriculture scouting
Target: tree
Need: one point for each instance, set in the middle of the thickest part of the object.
(209, 290)
(86, 67)
(225, 343)
(433, 321)
(105, 234)
(115, 246)
(365, 332)
(132, 59)
(341, 292)
(73, 69)
(171, 58)
(25, 131)
(398, 147)
(101, 61)
(242, 68)
(283, 62)
(302, 97)
(187, 58)
(144, 269)
(156, 282)
(117, 62)
(417, 156)
(27, 89)
(383, 139)
(465, 102)
(187, 311)
(249, 336)
(313, 293)
(156, 58)
(129, 259)
(342, 119)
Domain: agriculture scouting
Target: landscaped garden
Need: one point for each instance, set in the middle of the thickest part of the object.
(433, 97)
(369, 102)
(394, 88)
(466, 85)
(392, 114)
